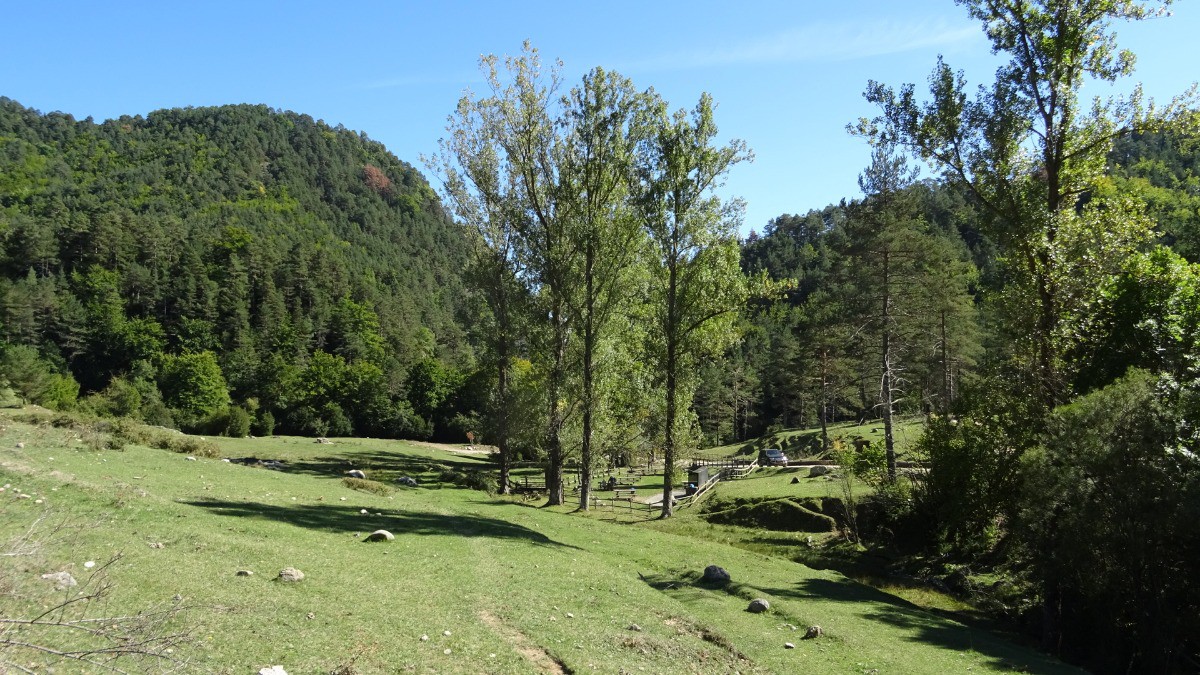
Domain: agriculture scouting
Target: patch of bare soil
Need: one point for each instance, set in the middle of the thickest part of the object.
(524, 646)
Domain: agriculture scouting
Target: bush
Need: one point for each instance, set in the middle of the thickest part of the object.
(237, 422)
(264, 424)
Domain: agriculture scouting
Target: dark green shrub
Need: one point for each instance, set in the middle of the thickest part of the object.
(237, 422)
(264, 424)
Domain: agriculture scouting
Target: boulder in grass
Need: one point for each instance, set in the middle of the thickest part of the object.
(715, 575)
(62, 580)
(813, 632)
(273, 670)
(355, 473)
(758, 606)
(407, 481)
(380, 535)
(818, 470)
(290, 574)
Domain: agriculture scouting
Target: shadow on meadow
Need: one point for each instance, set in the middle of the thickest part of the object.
(379, 464)
(939, 629)
(339, 518)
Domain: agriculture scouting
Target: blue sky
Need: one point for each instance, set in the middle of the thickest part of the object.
(787, 76)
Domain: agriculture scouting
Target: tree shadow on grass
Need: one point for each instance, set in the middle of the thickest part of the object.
(340, 518)
(924, 626)
(382, 466)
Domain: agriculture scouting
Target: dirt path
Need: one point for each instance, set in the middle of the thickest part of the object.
(524, 646)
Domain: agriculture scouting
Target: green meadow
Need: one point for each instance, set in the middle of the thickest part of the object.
(472, 583)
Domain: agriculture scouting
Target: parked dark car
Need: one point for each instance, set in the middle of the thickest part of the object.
(773, 457)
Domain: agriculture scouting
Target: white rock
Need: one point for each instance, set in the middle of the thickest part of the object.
(290, 574)
(273, 670)
(62, 579)
(380, 535)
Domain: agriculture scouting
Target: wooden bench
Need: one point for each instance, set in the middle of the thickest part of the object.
(624, 493)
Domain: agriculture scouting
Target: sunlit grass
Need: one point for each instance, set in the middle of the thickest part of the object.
(510, 581)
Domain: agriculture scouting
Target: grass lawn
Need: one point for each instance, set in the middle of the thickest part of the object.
(805, 443)
(472, 583)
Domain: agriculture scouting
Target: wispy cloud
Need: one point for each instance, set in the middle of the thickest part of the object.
(822, 42)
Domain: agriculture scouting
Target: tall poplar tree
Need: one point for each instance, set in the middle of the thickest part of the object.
(597, 162)
(697, 283)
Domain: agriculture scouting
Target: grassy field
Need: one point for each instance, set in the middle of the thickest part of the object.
(806, 443)
(472, 583)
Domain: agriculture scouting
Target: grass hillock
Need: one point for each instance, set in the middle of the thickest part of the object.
(472, 582)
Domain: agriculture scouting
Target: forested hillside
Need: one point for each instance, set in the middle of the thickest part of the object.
(165, 266)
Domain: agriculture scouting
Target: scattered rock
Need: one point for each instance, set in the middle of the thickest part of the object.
(788, 645)
(380, 535)
(813, 632)
(273, 670)
(407, 481)
(62, 580)
(310, 615)
(192, 459)
(290, 574)
(355, 473)
(446, 651)
(570, 615)
(424, 638)
(635, 627)
(758, 606)
(795, 480)
(20, 446)
(715, 575)
(446, 633)
(363, 511)
(245, 573)
(818, 470)
(157, 544)
(324, 441)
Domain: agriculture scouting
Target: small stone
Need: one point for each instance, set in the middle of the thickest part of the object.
(570, 615)
(788, 645)
(310, 615)
(191, 459)
(813, 632)
(818, 470)
(446, 633)
(355, 473)
(62, 580)
(20, 446)
(363, 511)
(342, 498)
(380, 535)
(795, 480)
(89, 564)
(758, 606)
(290, 574)
(446, 651)
(273, 670)
(245, 573)
(424, 638)
(157, 544)
(635, 627)
(38, 501)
